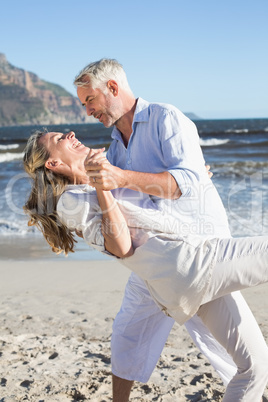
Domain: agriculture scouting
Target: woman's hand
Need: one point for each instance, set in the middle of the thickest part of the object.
(79, 233)
(101, 173)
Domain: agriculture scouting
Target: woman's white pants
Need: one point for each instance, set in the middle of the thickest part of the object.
(240, 263)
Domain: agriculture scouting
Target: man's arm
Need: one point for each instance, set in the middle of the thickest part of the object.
(105, 176)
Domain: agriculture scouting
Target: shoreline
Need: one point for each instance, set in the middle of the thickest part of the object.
(56, 324)
(35, 248)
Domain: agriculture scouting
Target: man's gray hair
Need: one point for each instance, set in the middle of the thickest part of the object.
(100, 72)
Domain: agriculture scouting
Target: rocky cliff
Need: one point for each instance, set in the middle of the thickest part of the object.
(25, 99)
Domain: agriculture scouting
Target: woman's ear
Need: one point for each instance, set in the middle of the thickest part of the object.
(59, 167)
(52, 164)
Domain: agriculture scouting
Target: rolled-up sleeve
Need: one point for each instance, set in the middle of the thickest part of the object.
(181, 151)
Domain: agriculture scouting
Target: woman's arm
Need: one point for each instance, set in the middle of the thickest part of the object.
(116, 234)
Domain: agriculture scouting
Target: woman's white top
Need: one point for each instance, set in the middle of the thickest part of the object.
(175, 268)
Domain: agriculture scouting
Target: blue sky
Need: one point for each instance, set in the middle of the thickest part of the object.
(208, 57)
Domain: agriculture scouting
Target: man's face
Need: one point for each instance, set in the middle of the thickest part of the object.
(103, 107)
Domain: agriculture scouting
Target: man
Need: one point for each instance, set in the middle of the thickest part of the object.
(155, 150)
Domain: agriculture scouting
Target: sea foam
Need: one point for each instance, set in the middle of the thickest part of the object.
(8, 156)
(9, 146)
(210, 142)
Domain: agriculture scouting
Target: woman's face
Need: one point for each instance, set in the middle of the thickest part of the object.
(67, 154)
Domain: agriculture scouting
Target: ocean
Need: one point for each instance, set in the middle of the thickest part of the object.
(236, 150)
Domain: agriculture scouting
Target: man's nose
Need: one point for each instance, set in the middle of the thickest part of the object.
(89, 110)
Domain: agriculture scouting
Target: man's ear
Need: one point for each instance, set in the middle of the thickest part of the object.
(113, 87)
(52, 164)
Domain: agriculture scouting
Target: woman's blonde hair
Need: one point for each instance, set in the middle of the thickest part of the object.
(47, 187)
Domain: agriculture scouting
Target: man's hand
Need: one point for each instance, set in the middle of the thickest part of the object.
(210, 174)
(97, 150)
(102, 175)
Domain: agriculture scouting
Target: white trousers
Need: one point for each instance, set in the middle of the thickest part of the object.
(240, 263)
(140, 329)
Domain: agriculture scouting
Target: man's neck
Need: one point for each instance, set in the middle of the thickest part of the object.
(124, 124)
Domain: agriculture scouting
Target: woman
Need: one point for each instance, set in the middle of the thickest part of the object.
(184, 275)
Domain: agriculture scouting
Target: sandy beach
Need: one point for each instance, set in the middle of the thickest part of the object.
(56, 324)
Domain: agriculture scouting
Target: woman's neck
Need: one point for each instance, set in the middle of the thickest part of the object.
(79, 177)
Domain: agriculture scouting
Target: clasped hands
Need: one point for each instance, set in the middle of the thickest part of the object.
(102, 175)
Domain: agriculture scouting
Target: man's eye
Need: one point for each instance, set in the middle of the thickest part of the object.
(59, 139)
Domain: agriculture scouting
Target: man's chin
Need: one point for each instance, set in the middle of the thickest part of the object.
(108, 121)
(108, 124)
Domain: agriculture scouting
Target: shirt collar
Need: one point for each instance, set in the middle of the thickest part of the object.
(141, 114)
